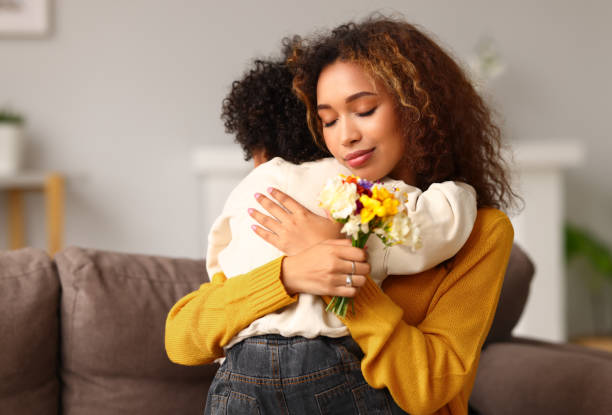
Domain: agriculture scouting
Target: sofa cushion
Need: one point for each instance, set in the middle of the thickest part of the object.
(541, 379)
(113, 311)
(513, 297)
(29, 333)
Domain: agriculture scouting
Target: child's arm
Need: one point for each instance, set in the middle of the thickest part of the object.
(445, 215)
(233, 248)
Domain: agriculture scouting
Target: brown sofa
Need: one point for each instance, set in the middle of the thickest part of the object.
(83, 334)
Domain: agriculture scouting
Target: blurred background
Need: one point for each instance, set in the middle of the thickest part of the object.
(119, 97)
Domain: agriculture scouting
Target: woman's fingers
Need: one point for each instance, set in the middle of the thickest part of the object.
(272, 208)
(348, 292)
(285, 200)
(340, 242)
(343, 249)
(268, 236)
(266, 221)
(296, 227)
(323, 268)
(341, 289)
(361, 268)
(357, 280)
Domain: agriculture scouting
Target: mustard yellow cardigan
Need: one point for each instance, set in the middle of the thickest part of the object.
(421, 334)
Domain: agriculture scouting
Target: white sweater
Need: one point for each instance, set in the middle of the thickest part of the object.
(445, 214)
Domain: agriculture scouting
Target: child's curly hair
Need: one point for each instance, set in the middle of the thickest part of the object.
(449, 129)
(265, 115)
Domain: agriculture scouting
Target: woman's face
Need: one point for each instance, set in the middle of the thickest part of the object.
(360, 124)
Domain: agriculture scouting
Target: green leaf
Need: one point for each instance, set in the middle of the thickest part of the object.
(9, 117)
(339, 306)
(581, 243)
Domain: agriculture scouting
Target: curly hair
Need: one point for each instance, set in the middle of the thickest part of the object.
(449, 130)
(264, 114)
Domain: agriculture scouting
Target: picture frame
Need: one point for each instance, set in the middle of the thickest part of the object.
(24, 18)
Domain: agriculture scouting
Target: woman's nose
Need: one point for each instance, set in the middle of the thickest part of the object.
(350, 133)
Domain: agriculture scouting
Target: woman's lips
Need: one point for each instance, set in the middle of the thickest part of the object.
(358, 158)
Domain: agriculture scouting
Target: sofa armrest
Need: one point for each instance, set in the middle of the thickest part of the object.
(525, 377)
(514, 294)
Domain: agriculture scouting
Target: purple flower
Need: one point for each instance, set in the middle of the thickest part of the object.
(366, 184)
(359, 207)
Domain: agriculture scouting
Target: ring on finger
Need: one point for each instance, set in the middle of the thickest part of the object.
(353, 264)
(349, 280)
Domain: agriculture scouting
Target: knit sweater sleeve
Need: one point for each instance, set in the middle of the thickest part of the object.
(202, 322)
(426, 365)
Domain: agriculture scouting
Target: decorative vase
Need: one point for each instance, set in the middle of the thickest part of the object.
(11, 148)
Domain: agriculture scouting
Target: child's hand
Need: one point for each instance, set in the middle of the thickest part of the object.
(293, 228)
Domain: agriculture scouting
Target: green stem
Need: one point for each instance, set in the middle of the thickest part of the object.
(339, 305)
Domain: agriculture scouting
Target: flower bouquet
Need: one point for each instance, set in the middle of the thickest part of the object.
(367, 208)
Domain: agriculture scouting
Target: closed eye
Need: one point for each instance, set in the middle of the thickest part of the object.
(367, 113)
(329, 124)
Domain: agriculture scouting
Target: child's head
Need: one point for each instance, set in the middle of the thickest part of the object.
(445, 128)
(266, 117)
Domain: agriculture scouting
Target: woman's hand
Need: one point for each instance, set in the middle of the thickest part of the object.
(317, 261)
(323, 268)
(293, 228)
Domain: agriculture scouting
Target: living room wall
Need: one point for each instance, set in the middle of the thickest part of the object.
(119, 94)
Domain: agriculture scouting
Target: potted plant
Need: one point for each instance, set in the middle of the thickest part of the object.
(11, 141)
(580, 243)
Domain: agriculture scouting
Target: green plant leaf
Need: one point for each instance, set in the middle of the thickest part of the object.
(581, 243)
(9, 117)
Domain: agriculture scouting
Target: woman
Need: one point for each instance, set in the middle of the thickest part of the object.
(420, 336)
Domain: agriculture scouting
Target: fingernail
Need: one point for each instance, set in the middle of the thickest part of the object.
(257, 196)
(254, 227)
(250, 210)
(270, 189)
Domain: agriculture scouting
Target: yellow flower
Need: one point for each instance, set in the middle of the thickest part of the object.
(390, 206)
(380, 193)
(381, 204)
(368, 210)
(389, 202)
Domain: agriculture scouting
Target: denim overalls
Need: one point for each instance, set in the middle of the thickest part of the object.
(271, 374)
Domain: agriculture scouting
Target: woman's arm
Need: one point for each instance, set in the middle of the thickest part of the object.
(428, 364)
(203, 322)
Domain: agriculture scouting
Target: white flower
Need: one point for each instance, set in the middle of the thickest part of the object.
(401, 230)
(486, 63)
(339, 198)
(365, 227)
(352, 227)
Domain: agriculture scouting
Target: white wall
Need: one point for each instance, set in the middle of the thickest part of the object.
(121, 92)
